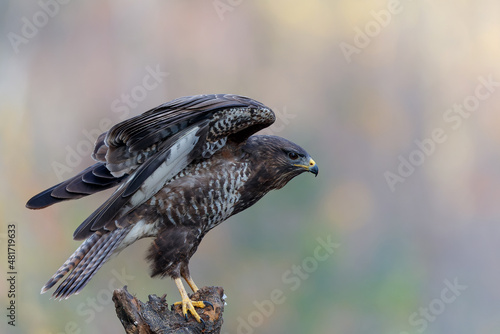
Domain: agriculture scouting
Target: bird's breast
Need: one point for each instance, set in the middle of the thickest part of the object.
(204, 194)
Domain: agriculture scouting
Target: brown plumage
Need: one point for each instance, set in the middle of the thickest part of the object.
(182, 169)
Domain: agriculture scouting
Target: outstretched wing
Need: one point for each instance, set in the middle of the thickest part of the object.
(144, 152)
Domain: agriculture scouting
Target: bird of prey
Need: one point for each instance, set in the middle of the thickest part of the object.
(181, 169)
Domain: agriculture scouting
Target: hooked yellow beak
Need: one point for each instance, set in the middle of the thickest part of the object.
(312, 167)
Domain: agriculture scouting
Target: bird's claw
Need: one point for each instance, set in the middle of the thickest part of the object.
(189, 305)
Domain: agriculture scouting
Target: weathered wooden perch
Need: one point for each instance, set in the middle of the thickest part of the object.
(155, 316)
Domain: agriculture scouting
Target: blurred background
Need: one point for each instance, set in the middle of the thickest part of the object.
(396, 101)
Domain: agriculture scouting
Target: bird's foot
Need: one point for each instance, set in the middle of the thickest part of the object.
(189, 305)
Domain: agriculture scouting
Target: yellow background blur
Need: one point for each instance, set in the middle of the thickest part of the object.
(363, 86)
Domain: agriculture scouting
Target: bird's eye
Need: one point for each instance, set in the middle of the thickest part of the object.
(293, 155)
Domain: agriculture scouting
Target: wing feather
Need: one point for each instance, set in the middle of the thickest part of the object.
(93, 179)
(144, 152)
(143, 183)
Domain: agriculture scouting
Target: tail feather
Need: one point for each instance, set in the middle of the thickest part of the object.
(80, 268)
(87, 270)
(83, 280)
(85, 262)
(72, 262)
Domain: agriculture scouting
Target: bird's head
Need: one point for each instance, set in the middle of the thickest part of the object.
(280, 159)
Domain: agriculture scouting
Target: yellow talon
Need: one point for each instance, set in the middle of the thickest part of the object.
(188, 304)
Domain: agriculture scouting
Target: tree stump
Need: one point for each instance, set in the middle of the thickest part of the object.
(155, 316)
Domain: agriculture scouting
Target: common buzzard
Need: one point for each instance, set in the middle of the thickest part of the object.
(181, 169)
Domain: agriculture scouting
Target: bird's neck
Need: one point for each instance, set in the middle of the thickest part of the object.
(255, 188)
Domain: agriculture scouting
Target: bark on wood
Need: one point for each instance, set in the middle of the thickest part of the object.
(155, 316)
